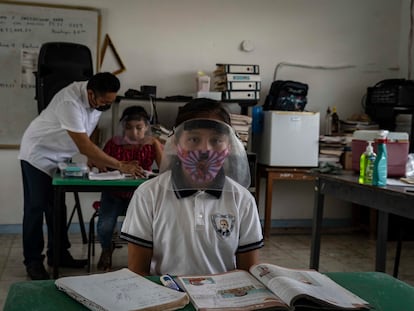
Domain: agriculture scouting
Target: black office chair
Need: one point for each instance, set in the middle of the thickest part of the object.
(59, 64)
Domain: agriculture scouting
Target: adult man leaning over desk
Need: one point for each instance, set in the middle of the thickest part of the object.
(57, 134)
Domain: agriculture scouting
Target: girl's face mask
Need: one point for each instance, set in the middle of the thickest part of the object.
(202, 165)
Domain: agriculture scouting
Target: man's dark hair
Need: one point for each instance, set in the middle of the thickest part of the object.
(104, 82)
(202, 108)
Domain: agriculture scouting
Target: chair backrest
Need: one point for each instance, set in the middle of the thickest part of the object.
(59, 64)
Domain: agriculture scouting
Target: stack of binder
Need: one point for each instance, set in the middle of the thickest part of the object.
(238, 82)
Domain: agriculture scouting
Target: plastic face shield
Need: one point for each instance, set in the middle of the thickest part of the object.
(202, 153)
(133, 130)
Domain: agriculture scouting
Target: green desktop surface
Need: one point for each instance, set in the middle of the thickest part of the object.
(71, 181)
(381, 290)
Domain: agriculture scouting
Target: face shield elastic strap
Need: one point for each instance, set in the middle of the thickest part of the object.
(134, 117)
(221, 128)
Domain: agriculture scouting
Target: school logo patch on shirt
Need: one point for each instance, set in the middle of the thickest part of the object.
(223, 224)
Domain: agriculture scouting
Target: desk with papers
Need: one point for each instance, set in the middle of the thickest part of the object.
(382, 291)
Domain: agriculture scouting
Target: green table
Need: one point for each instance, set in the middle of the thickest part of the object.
(381, 290)
(63, 185)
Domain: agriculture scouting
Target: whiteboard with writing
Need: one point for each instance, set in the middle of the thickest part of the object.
(23, 29)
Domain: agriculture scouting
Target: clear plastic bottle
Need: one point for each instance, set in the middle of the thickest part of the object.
(367, 165)
(203, 82)
(328, 122)
(335, 122)
(379, 177)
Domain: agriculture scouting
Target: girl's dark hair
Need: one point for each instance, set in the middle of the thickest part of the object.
(134, 113)
(202, 108)
(104, 82)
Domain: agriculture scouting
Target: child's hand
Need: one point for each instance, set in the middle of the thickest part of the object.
(133, 168)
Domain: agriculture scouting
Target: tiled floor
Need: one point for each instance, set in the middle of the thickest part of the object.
(349, 251)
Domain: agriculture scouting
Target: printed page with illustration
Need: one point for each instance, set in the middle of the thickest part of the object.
(269, 286)
(306, 288)
(235, 290)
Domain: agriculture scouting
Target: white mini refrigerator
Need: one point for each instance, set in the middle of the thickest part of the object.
(289, 138)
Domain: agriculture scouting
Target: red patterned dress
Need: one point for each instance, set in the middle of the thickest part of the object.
(144, 154)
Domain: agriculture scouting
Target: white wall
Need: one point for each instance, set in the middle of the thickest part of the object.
(164, 43)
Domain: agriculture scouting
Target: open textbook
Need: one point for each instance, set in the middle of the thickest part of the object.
(121, 290)
(269, 287)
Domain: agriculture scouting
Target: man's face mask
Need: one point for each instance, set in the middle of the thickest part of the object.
(103, 102)
(103, 108)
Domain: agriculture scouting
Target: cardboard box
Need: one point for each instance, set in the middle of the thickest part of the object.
(397, 150)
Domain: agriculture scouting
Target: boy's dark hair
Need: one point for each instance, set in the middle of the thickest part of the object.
(104, 82)
(202, 108)
(134, 113)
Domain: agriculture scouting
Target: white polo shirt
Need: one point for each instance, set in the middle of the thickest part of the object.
(185, 233)
(46, 141)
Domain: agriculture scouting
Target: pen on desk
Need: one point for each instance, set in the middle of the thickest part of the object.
(169, 282)
(409, 190)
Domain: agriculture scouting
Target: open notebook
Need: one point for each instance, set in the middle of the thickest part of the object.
(121, 290)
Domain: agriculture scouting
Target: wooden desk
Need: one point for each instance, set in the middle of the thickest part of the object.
(382, 291)
(270, 174)
(386, 200)
(63, 185)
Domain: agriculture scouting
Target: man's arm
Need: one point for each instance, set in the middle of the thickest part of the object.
(245, 260)
(99, 158)
(139, 259)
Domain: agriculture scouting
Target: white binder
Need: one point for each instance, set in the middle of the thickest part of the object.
(242, 77)
(244, 95)
(237, 68)
(242, 86)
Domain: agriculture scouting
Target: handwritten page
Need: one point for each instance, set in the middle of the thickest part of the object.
(121, 290)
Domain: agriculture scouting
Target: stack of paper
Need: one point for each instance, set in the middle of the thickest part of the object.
(331, 148)
(112, 175)
(241, 125)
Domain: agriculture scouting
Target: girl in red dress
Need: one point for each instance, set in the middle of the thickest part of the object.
(134, 143)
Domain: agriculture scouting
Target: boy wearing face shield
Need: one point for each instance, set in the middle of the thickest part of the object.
(197, 216)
